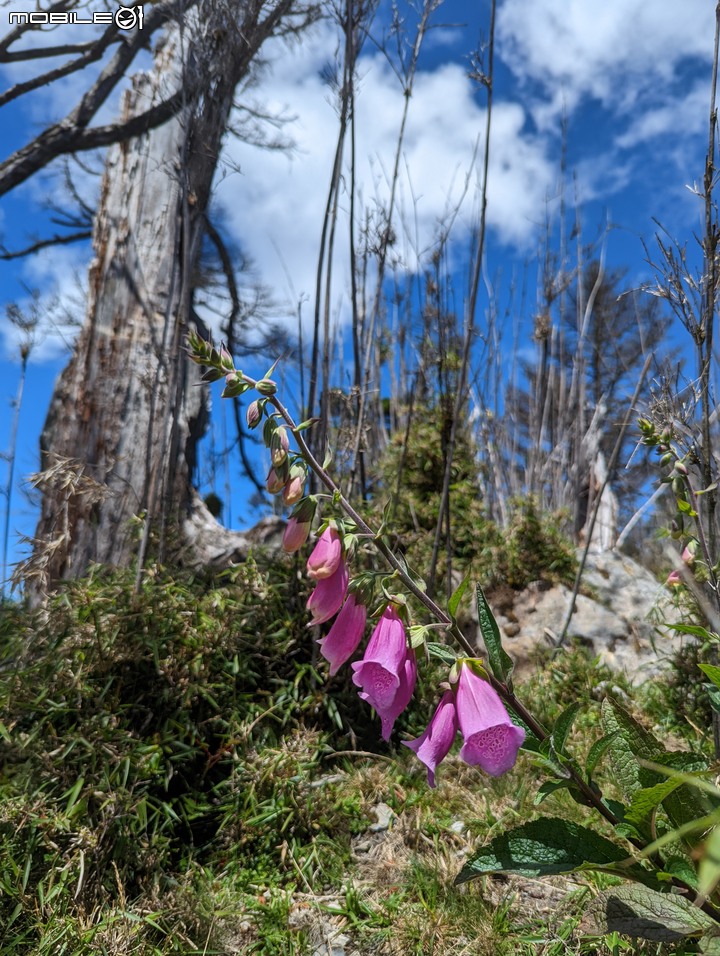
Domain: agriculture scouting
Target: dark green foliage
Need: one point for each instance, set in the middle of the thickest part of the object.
(144, 733)
(533, 545)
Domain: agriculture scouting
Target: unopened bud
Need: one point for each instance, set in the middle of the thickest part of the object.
(681, 468)
(266, 386)
(253, 415)
(279, 446)
(293, 490)
(678, 486)
(226, 359)
(275, 481)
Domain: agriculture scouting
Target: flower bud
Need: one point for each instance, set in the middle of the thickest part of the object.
(279, 446)
(298, 527)
(294, 488)
(295, 536)
(266, 386)
(678, 486)
(275, 482)
(253, 415)
(226, 359)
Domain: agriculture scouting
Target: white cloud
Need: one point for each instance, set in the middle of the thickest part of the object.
(615, 52)
(275, 205)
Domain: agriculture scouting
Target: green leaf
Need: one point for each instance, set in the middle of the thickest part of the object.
(680, 867)
(710, 945)
(73, 793)
(646, 914)
(709, 869)
(713, 696)
(542, 848)
(646, 800)
(457, 594)
(500, 663)
(562, 727)
(596, 751)
(550, 786)
(308, 423)
(441, 652)
(694, 629)
(711, 671)
(686, 508)
(212, 375)
(629, 742)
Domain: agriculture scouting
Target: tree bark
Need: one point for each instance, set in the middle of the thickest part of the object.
(121, 434)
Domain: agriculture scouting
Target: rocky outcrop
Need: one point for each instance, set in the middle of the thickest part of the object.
(619, 617)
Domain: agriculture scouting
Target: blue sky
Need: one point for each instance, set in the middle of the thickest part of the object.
(630, 79)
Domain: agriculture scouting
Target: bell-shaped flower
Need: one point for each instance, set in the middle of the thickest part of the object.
(408, 679)
(434, 744)
(326, 554)
(491, 739)
(328, 596)
(387, 673)
(341, 641)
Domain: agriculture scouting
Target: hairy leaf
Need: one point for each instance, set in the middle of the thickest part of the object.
(646, 914)
(542, 848)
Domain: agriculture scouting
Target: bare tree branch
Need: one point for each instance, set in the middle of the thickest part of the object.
(71, 133)
(6, 255)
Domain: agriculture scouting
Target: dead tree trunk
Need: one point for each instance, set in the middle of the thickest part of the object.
(121, 434)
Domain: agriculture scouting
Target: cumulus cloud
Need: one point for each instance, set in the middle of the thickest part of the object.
(616, 52)
(275, 203)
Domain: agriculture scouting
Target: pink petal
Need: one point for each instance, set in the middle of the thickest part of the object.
(490, 737)
(341, 641)
(434, 744)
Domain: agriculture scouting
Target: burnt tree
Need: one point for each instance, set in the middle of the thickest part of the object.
(119, 442)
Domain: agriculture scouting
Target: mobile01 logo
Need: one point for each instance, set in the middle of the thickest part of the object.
(125, 18)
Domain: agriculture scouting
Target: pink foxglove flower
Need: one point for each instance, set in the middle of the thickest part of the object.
(328, 596)
(326, 554)
(674, 580)
(434, 744)
(343, 638)
(491, 739)
(387, 673)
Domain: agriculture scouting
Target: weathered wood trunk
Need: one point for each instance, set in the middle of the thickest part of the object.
(119, 443)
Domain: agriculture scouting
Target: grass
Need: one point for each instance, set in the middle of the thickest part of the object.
(175, 777)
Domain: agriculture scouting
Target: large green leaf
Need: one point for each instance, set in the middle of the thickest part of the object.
(646, 914)
(629, 740)
(646, 800)
(632, 747)
(542, 848)
(500, 663)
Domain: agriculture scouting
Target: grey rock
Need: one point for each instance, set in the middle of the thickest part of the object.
(624, 623)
